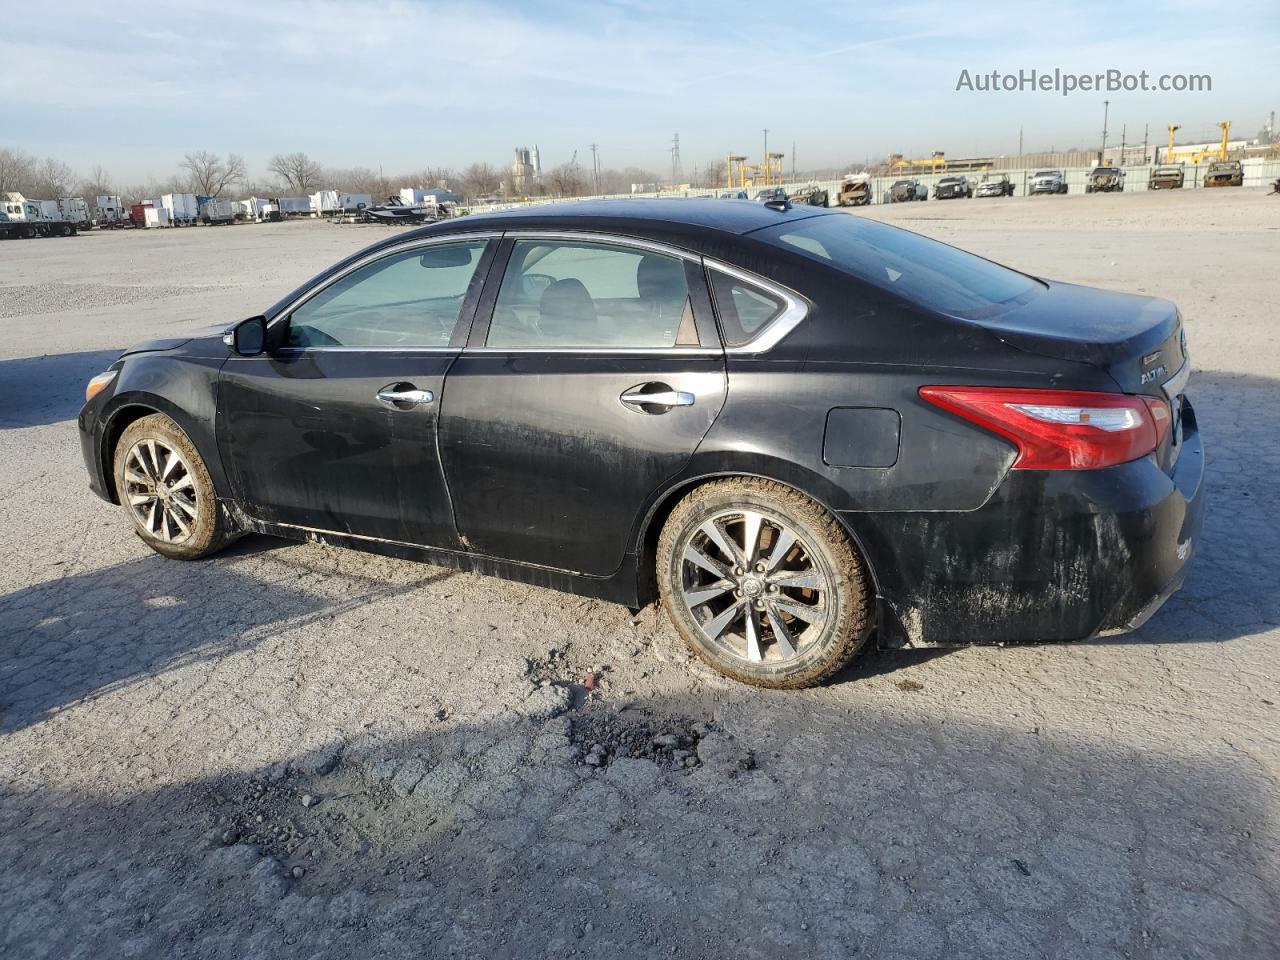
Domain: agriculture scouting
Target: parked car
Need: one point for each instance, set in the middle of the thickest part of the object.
(951, 188)
(855, 190)
(995, 185)
(811, 196)
(906, 190)
(1166, 178)
(771, 195)
(1224, 173)
(1105, 180)
(1048, 181)
(608, 398)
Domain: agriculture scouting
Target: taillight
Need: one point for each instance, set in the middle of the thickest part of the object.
(1061, 429)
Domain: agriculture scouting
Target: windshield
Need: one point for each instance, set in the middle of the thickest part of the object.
(925, 271)
(1047, 173)
(902, 183)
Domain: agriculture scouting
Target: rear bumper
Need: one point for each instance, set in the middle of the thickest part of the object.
(1053, 555)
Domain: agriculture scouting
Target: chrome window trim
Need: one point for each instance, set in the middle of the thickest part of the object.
(612, 239)
(373, 257)
(323, 349)
(607, 351)
(795, 310)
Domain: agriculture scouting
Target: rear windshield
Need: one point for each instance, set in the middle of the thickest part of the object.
(925, 271)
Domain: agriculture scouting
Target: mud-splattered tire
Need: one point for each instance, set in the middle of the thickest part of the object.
(763, 584)
(165, 490)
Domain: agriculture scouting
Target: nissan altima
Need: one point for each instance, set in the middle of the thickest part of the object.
(794, 428)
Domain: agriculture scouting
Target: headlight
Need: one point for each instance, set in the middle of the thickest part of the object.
(98, 384)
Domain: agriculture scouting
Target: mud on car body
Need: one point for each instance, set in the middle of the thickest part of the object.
(799, 427)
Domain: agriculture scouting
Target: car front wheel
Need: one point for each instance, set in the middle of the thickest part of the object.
(763, 584)
(166, 490)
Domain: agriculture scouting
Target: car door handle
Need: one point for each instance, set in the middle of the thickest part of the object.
(664, 396)
(404, 396)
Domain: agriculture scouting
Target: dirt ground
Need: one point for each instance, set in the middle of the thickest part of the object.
(297, 751)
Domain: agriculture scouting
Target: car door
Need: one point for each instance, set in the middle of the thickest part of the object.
(334, 429)
(592, 373)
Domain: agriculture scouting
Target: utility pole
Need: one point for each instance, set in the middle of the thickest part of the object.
(675, 159)
(1145, 157)
(793, 160)
(764, 157)
(1124, 129)
(595, 168)
(1106, 110)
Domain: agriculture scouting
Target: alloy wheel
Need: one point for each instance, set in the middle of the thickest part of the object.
(754, 587)
(160, 490)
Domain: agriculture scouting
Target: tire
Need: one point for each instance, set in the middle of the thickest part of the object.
(142, 465)
(709, 604)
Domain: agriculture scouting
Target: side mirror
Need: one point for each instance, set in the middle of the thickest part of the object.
(249, 337)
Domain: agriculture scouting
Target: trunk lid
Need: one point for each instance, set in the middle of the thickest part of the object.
(1138, 341)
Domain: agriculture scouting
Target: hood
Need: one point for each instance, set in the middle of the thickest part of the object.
(173, 343)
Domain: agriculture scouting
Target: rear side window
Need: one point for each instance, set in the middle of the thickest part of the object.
(559, 294)
(744, 308)
(925, 271)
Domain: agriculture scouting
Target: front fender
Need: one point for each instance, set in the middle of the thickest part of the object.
(182, 388)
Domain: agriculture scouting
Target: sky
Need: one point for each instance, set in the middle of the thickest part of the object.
(134, 84)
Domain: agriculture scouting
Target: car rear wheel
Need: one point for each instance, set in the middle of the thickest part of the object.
(763, 584)
(166, 490)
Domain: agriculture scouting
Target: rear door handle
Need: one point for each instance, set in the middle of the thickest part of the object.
(404, 396)
(656, 395)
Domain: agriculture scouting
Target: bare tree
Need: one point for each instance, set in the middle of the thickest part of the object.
(16, 169)
(297, 170)
(51, 179)
(566, 180)
(359, 180)
(480, 180)
(210, 174)
(97, 184)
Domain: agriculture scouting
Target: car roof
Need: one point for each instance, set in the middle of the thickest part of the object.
(636, 215)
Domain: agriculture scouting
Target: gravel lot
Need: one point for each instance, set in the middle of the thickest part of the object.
(297, 751)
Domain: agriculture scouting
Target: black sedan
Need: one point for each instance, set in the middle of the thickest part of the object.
(797, 427)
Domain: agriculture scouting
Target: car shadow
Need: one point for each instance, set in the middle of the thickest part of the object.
(813, 829)
(76, 638)
(35, 391)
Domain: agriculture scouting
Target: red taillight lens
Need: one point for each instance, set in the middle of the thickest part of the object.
(1061, 429)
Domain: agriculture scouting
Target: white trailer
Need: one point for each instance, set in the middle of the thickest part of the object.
(216, 212)
(75, 210)
(325, 201)
(181, 207)
(353, 202)
(156, 216)
(294, 206)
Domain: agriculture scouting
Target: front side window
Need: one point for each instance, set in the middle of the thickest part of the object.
(569, 293)
(934, 274)
(409, 299)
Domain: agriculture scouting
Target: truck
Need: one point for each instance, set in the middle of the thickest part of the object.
(1224, 173)
(855, 190)
(109, 212)
(75, 210)
(1047, 181)
(1170, 177)
(216, 212)
(1105, 180)
(25, 219)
